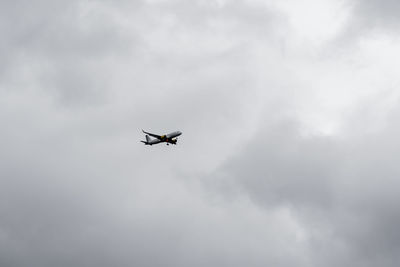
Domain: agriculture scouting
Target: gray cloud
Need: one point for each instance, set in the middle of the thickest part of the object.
(370, 18)
(341, 190)
(61, 48)
(245, 186)
(378, 13)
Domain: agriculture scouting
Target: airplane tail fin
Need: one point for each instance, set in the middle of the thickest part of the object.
(148, 139)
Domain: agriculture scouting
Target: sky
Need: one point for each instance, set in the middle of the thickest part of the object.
(289, 152)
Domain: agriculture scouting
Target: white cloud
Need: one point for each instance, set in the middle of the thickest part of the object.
(315, 21)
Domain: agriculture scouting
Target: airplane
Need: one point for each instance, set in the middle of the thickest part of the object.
(167, 138)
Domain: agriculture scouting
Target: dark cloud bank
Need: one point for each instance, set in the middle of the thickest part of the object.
(341, 190)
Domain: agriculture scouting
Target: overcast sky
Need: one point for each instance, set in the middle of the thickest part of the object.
(290, 149)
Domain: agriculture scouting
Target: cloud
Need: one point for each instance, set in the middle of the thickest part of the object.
(60, 48)
(377, 13)
(367, 20)
(287, 156)
(340, 190)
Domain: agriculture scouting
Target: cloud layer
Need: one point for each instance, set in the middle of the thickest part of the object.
(289, 145)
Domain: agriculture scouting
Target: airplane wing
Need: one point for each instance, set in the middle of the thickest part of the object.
(153, 135)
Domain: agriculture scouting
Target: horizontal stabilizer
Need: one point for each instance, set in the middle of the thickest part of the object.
(146, 143)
